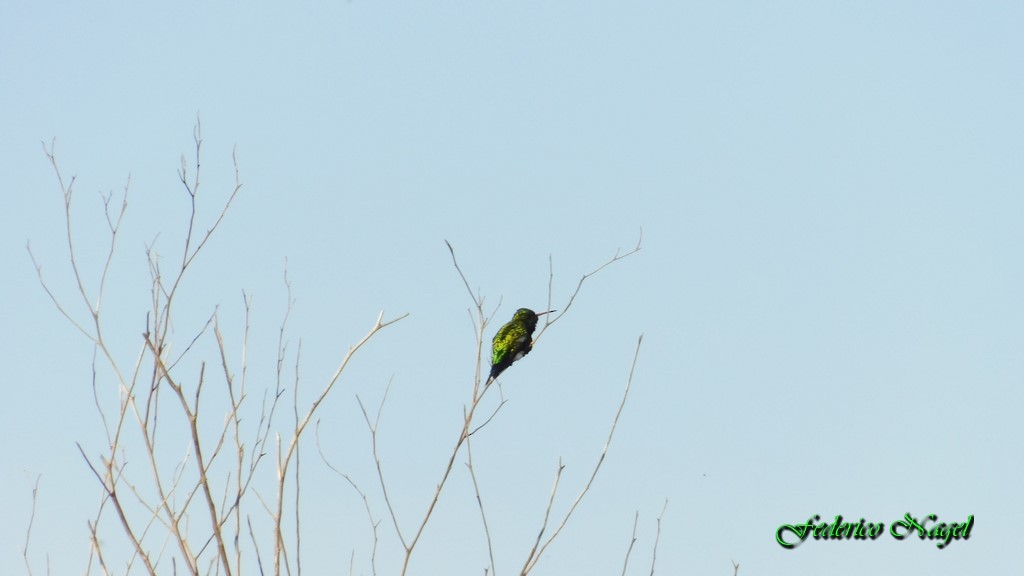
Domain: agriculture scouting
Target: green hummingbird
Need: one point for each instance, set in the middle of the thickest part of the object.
(513, 340)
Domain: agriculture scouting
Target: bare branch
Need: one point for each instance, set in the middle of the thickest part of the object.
(535, 554)
(285, 457)
(376, 458)
(53, 298)
(632, 541)
(192, 190)
(362, 495)
(114, 226)
(298, 463)
(548, 321)
(112, 495)
(657, 537)
(491, 417)
(255, 545)
(463, 436)
(223, 212)
(28, 531)
(193, 418)
(66, 191)
(476, 299)
(480, 504)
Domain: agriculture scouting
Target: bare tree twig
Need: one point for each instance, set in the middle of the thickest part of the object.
(632, 541)
(255, 546)
(376, 457)
(53, 298)
(479, 323)
(536, 553)
(491, 417)
(476, 299)
(114, 227)
(544, 525)
(548, 321)
(67, 191)
(362, 495)
(657, 537)
(298, 462)
(31, 520)
(480, 504)
(463, 436)
(192, 413)
(285, 458)
(112, 496)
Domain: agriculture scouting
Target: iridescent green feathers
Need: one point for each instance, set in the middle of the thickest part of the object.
(513, 340)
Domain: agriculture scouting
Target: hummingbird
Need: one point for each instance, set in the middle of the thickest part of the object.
(513, 340)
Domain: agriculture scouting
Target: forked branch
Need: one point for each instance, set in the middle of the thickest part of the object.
(619, 255)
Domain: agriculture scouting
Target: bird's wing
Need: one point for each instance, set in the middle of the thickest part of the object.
(498, 351)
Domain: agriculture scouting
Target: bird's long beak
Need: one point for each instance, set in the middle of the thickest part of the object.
(548, 312)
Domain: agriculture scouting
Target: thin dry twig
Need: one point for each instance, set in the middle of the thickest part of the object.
(536, 553)
(202, 464)
(298, 464)
(479, 323)
(480, 504)
(657, 537)
(31, 520)
(463, 437)
(478, 301)
(285, 457)
(234, 510)
(632, 542)
(373, 427)
(255, 545)
(544, 525)
(366, 503)
(491, 417)
(548, 320)
(111, 495)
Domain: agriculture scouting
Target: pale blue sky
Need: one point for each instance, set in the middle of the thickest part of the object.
(830, 287)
